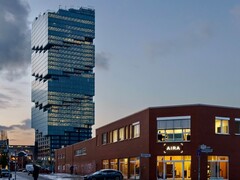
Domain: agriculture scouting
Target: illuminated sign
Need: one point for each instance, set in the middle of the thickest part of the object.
(173, 148)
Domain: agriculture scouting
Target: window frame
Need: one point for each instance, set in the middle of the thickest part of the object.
(174, 124)
(104, 138)
(222, 119)
(237, 120)
(136, 130)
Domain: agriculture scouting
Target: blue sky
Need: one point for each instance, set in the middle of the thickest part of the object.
(148, 53)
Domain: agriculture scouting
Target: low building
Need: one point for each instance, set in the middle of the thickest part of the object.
(185, 142)
(20, 155)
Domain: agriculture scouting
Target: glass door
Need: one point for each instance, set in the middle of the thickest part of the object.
(174, 168)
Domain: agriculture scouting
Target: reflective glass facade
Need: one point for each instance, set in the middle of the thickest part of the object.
(63, 59)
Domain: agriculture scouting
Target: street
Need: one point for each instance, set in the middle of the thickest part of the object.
(25, 176)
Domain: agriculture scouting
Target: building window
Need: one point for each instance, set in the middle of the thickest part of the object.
(123, 167)
(110, 137)
(134, 170)
(104, 138)
(222, 125)
(81, 152)
(59, 168)
(174, 167)
(174, 129)
(105, 164)
(136, 130)
(115, 135)
(130, 131)
(121, 134)
(113, 164)
(126, 129)
(237, 125)
(218, 167)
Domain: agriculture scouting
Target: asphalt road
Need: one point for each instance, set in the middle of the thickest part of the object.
(25, 176)
(22, 176)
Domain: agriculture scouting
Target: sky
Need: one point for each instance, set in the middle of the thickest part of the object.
(148, 53)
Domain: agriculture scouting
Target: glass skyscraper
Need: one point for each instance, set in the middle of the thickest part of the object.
(63, 58)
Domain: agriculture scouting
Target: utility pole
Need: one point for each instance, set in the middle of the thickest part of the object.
(8, 155)
(202, 149)
(15, 165)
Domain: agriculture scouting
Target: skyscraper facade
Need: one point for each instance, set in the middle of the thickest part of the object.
(63, 58)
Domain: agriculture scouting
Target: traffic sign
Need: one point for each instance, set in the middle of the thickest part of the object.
(145, 155)
(207, 150)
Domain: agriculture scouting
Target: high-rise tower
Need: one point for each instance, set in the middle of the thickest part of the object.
(63, 58)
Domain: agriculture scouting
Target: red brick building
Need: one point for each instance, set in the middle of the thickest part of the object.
(178, 142)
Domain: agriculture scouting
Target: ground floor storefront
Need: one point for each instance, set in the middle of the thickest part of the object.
(130, 167)
(172, 167)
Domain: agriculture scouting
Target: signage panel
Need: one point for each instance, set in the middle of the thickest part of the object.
(145, 155)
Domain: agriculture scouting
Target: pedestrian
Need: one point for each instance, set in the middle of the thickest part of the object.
(35, 171)
(71, 169)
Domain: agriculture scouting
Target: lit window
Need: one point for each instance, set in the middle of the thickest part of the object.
(221, 125)
(123, 167)
(218, 167)
(237, 123)
(136, 130)
(121, 134)
(110, 137)
(134, 168)
(105, 164)
(113, 164)
(115, 135)
(173, 129)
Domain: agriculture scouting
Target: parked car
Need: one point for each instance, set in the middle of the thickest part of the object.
(5, 173)
(105, 174)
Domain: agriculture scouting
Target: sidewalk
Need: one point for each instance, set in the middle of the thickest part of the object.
(59, 176)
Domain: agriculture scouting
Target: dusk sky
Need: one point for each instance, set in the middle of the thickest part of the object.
(148, 53)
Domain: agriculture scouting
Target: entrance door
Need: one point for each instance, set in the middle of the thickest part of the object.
(169, 169)
(174, 168)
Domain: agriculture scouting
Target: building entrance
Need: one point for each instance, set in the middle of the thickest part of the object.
(174, 167)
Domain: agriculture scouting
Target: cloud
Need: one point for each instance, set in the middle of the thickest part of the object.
(25, 125)
(196, 36)
(4, 100)
(15, 38)
(102, 60)
(20, 133)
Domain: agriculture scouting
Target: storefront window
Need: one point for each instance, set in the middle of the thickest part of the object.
(173, 129)
(218, 167)
(134, 168)
(221, 125)
(123, 167)
(174, 167)
(105, 164)
(113, 164)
